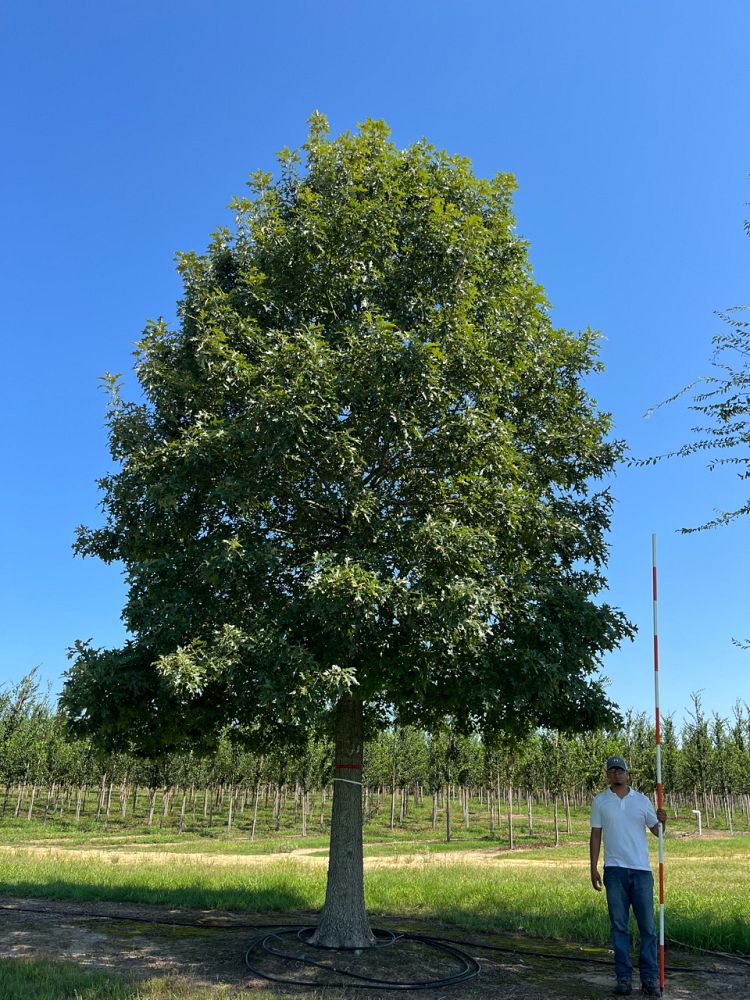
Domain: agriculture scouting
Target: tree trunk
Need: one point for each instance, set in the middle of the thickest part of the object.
(19, 801)
(557, 825)
(232, 800)
(448, 831)
(50, 793)
(343, 922)
(181, 828)
(100, 803)
(529, 813)
(109, 803)
(255, 809)
(511, 842)
(31, 803)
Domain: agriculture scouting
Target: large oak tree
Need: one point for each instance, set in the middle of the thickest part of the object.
(361, 483)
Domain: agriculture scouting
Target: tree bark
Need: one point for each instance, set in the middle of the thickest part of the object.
(511, 841)
(343, 922)
(529, 813)
(557, 825)
(448, 832)
(255, 809)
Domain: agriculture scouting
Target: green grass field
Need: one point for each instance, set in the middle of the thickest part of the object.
(474, 884)
(22, 979)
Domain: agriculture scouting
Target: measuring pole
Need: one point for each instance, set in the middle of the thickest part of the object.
(659, 793)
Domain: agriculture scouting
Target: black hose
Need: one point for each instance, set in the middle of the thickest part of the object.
(469, 968)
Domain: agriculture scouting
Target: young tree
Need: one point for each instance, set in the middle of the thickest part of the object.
(359, 486)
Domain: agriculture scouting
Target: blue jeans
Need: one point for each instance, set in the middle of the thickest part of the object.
(628, 887)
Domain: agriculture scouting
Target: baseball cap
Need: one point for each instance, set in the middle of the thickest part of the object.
(616, 762)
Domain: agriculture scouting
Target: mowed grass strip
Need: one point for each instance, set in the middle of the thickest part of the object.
(708, 898)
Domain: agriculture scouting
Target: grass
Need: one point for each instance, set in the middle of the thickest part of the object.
(24, 979)
(708, 889)
(537, 889)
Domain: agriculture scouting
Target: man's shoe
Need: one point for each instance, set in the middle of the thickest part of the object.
(623, 988)
(651, 989)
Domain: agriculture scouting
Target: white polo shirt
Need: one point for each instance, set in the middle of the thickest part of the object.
(623, 822)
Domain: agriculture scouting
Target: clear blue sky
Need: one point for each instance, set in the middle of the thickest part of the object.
(128, 126)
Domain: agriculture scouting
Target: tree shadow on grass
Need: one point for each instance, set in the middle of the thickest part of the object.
(269, 899)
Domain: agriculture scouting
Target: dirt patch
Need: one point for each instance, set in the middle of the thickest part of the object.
(208, 948)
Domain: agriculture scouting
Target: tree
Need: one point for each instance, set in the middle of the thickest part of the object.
(359, 485)
(723, 404)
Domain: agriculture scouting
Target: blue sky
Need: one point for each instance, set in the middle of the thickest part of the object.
(128, 126)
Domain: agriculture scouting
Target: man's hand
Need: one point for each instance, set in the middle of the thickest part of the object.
(595, 843)
(661, 815)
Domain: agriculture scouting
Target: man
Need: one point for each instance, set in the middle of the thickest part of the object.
(623, 815)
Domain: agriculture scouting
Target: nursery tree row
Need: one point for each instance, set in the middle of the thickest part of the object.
(45, 773)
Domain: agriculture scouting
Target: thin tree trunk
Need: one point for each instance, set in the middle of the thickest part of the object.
(100, 801)
(256, 796)
(277, 808)
(448, 831)
(164, 806)
(510, 816)
(19, 800)
(181, 827)
(109, 803)
(343, 921)
(31, 803)
(529, 814)
(50, 793)
(230, 817)
(557, 825)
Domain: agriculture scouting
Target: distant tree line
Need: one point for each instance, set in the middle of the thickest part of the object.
(45, 774)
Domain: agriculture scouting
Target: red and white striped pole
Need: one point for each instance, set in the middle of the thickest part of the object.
(659, 794)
